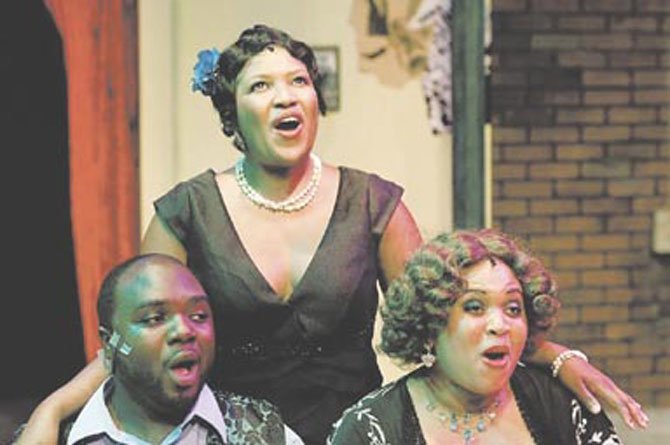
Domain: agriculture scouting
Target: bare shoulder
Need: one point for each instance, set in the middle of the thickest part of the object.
(330, 175)
(399, 241)
(158, 238)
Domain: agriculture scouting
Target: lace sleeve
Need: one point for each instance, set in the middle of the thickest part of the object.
(250, 421)
(592, 428)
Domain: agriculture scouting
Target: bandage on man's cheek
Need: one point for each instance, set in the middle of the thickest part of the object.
(114, 341)
(125, 349)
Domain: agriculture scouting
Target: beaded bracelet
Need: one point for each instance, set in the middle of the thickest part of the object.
(562, 357)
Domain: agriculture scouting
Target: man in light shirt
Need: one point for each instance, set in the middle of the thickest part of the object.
(158, 334)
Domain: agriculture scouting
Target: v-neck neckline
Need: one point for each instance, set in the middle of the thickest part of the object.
(256, 272)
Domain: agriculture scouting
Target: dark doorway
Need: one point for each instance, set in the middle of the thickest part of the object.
(39, 314)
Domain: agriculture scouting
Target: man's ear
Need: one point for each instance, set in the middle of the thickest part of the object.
(107, 351)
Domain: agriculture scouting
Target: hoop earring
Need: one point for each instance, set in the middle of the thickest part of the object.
(428, 358)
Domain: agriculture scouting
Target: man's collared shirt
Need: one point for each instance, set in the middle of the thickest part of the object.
(95, 420)
(95, 426)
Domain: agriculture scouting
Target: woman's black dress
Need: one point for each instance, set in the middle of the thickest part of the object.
(310, 355)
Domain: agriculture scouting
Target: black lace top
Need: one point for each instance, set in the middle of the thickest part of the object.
(551, 413)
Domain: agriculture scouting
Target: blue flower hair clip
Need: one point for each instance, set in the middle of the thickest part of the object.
(204, 72)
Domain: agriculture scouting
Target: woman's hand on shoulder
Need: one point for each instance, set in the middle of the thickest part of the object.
(42, 427)
(44, 422)
(592, 387)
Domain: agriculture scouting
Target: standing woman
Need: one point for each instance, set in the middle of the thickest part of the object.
(289, 249)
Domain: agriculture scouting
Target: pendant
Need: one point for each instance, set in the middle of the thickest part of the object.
(468, 435)
(453, 423)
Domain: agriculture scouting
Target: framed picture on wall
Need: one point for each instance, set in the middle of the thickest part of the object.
(328, 59)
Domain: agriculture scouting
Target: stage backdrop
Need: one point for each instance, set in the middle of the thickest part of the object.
(100, 46)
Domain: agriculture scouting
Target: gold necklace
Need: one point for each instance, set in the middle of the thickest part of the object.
(468, 424)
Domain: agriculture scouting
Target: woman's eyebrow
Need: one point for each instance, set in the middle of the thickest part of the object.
(510, 290)
(474, 290)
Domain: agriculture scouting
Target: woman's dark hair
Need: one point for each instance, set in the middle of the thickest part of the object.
(251, 42)
(417, 303)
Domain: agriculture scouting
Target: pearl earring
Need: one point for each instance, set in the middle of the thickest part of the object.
(239, 142)
(428, 358)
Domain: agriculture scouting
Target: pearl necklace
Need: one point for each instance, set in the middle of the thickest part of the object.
(464, 423)
(288, 205)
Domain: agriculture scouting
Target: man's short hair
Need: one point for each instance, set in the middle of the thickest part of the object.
(106, 302)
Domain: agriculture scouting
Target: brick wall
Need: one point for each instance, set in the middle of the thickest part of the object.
(580, 98)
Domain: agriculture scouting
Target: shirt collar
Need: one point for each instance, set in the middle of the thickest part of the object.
(208, 409)
(95, 419)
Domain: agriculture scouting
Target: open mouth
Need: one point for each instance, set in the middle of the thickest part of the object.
(185, 372)
(496, 356)
(288, 124)
(183, 367)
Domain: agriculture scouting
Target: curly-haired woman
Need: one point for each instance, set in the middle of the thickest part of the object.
(469, 306)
